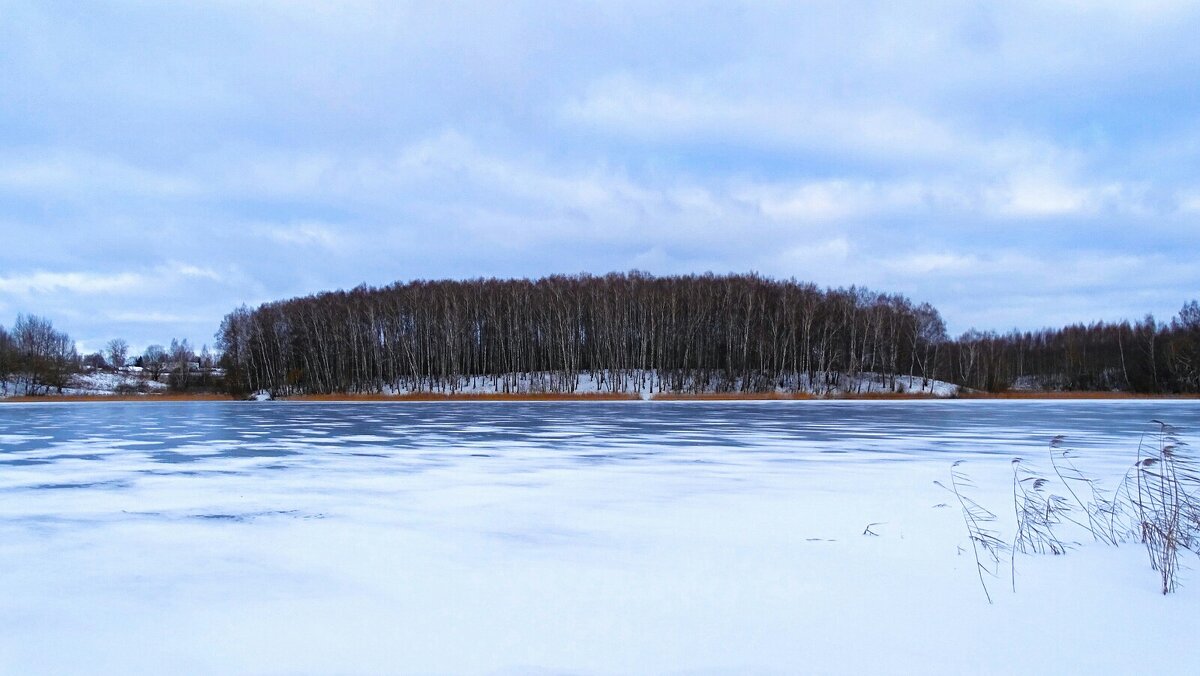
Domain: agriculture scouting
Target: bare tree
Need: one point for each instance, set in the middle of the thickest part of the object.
(118, 352)
(46, 357)
(180, 356)
(154, 360)
(8, 360)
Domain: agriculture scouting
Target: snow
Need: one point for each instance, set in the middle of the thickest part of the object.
(646, 384)
(93, 383)
(560, 538)
(110, 382)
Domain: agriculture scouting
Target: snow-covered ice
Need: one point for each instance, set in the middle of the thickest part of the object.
(238, 537)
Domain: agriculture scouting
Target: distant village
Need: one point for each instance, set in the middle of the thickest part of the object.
(37, 359)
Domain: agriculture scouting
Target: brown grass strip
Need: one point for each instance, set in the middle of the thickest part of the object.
(887, 396)
(731, 396)
(1072, 395)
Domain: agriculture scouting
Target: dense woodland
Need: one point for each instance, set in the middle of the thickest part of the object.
(733, 333)
(34, 357)
(1144, 356)
(678, 334)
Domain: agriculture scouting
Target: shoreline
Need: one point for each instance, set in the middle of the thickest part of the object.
(602, 397)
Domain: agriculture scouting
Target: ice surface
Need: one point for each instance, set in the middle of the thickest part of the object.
(558, 537)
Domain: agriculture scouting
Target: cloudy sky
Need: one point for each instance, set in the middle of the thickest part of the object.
(1016, 164)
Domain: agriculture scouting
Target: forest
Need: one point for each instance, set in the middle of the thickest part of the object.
(676, 334)
(630, 332)
(35, 358)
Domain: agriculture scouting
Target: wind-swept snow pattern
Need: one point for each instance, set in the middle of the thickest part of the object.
(752, 537)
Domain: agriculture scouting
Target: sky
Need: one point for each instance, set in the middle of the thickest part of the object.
(1017, 164)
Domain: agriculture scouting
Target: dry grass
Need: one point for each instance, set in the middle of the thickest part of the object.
(1071, 395)
(986, 544)
(886, 396)
(1167, 503)
(1038, 513)
(731, 396)
(790, 396)
(1158, 503)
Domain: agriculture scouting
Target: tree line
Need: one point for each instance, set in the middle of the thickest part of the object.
(626, 332)
(34, 357)
(1145, 356)
(694, 333)
(682, 334)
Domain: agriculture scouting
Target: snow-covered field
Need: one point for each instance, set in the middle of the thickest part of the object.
(91, 383)
(646, 384)
(107, 382)
(560, 538)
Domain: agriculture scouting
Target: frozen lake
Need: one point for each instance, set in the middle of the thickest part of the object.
(558, 538)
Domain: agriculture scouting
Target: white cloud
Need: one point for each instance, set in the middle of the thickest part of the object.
(932, 263)
(947, 151)
(821, 258)
(1187, 201)
(61, 172)
(305, 234)
(85, 283)
(42, 282)
(840, 199)
(187, 270)
(1025, 195)
(707, 112)
(148, 316)
(1039, 192)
